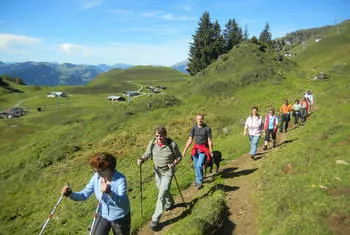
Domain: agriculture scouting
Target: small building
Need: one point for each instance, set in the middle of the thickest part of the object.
(53, 94)
(114, 98)
(288, 53)
(12, 113)
(317, 39)
(156, 89)
(131, 93)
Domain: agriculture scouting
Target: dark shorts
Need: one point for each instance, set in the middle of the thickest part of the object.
(269, 132)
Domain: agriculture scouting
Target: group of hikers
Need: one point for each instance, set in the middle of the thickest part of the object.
(110, 188)
(256, 126)
(109, 185)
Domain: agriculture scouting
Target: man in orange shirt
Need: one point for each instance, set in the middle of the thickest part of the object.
(285, 111)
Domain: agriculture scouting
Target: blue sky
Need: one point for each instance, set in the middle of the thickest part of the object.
(141, 32)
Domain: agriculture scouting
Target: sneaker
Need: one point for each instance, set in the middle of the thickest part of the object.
(154, 225)
(265, 147)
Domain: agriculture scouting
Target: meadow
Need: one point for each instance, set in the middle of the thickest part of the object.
(303, 189)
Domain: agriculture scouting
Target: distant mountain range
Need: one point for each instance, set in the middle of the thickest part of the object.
(54, 74)
(182, 66)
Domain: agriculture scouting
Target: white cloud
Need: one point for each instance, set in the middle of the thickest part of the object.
(72, 49)
(149, 14)
(11, 43)
(186, 5)
(180, 18)
(88, 4)
(122, 11)
(167, 16)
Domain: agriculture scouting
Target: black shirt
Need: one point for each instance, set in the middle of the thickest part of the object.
(201, 134)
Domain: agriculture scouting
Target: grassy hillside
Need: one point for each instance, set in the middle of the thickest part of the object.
(43, 150)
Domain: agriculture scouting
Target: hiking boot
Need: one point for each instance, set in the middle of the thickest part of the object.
(199, 186)
(168, 208)
(265, 147)
(154, 225)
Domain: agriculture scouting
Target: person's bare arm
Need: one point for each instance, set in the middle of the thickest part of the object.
(188, 144)
(210, 143)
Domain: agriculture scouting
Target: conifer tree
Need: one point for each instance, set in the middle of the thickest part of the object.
(265, 36)
(202, 45)
(246, 34)
(218, 42)
(232, 34)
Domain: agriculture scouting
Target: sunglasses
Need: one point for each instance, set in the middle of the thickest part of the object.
(99, 170)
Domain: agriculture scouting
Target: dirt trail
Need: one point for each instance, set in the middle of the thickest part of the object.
(241, 185)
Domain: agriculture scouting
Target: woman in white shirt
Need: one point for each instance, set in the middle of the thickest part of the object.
(255, 125)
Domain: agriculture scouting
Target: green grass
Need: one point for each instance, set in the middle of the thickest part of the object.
(39, 150)
(202, 221)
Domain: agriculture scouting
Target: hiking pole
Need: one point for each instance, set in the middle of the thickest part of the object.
(141, 194)
(177, 184)
(95, 216)
(53, 211)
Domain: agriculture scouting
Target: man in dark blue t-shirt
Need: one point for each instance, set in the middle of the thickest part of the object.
(202, 148)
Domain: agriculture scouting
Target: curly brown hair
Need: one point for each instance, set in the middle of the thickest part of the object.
(102, 161)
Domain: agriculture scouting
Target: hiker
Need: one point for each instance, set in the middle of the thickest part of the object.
(285, 111)
(270, 128)
(304, 109)
(310, 97)
(255, 126)
(202, 149)
(165, 155)
(110, 190)
(296, 112)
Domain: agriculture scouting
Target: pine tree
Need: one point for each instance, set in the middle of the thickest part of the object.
(265, 36)
(201, 48)
(232, 34)
(246, 34)
(217, 47)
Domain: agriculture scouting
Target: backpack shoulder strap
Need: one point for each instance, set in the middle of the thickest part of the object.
(170, 145)
(154, 141)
